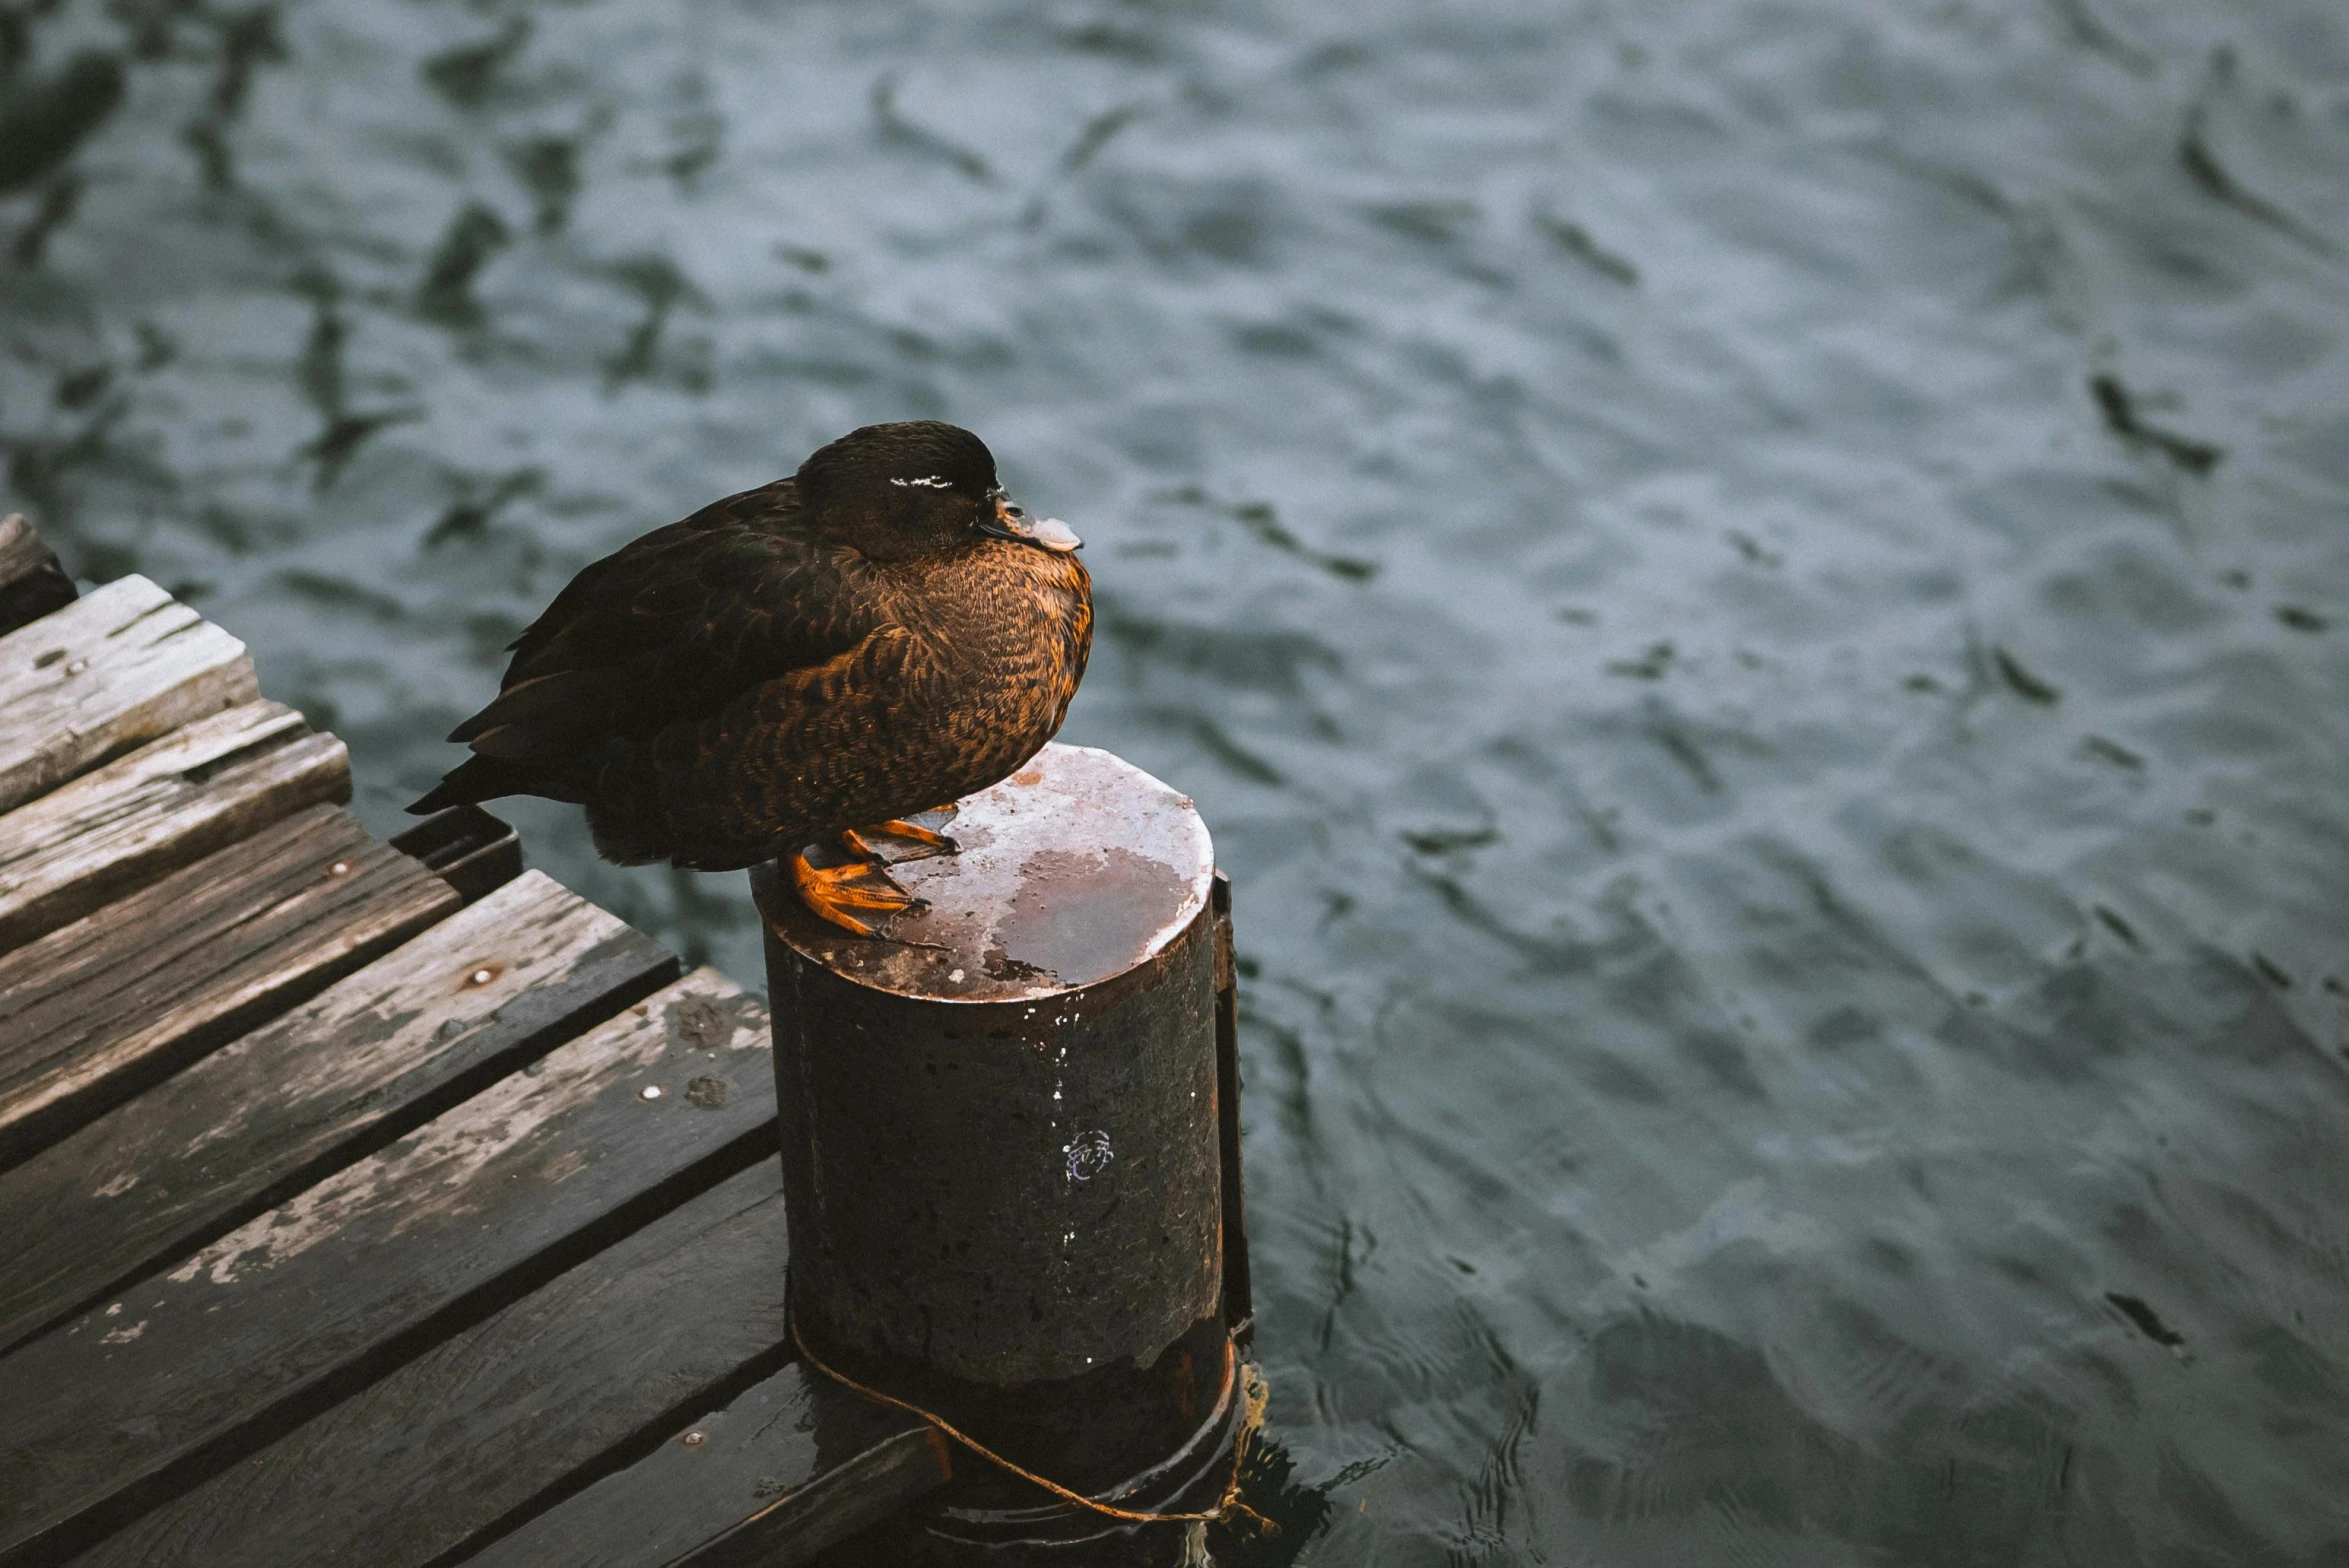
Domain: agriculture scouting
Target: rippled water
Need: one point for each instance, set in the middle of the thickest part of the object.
(1757, 596)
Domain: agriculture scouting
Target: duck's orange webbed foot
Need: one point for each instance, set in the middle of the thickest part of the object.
(934, 841)
(832, 891)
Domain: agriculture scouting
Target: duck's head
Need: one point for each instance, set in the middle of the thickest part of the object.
(920, 488)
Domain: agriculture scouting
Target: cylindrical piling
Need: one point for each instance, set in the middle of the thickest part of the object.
(1004, 1130)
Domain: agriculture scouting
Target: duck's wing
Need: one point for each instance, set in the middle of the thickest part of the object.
(809, 749)
(673, 627)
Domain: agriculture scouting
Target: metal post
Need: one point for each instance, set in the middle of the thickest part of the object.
(1004, 1152)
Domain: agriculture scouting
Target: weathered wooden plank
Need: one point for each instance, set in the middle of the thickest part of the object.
(108, 672)
(568, 1384)
(190, 1371)
(32, 581)
(465, 847)
(158, 809)
(95, 1011)
(789, 1467)
(400, 1041)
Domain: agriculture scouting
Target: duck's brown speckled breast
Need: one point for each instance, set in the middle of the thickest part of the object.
(997, 661)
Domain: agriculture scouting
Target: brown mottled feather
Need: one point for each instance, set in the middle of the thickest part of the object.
(732, 687)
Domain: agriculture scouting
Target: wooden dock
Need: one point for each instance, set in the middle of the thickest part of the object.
(363, 1202)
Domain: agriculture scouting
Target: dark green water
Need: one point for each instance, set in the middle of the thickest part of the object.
(1757, 596)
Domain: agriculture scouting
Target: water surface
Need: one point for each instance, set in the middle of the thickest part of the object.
(1757, 595)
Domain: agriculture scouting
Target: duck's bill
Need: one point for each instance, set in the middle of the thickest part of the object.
(1045, 533)
(1053, 534)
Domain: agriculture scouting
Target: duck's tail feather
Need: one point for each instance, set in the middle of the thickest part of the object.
(486, 778)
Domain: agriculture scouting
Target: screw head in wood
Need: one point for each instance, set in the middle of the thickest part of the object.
(694, 1439)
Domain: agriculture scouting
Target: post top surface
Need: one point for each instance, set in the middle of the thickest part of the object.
(1074, 869)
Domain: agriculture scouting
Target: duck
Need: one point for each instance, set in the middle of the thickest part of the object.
(807, 664)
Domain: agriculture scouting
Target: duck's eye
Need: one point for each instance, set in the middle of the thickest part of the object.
(929, 482)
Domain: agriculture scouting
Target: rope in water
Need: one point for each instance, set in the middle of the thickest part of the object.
(1226, 1506)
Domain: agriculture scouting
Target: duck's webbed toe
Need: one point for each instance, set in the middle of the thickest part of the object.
(932, 841)
(834, 891)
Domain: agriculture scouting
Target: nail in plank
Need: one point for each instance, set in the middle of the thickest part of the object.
(573, 1382)
(167, 804)
(785, 1470)
(108, 672)
(97, 1010)
(190, 1371)
(403, 1039)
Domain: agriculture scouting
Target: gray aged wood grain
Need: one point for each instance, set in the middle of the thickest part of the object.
(32, 582)
(563, 1387)
(128, 994)
(785, 1470)
(246, 1127)
(156, 810)
(465, 847)
(110, 671)
(190, 1371)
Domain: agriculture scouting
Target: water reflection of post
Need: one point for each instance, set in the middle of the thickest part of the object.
(1011, 1161)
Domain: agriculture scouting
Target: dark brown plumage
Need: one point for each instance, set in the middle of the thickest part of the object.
(880, 633)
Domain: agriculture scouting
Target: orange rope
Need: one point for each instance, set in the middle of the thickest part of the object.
(1227, 1505)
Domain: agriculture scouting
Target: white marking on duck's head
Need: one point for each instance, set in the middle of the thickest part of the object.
(930, 482)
